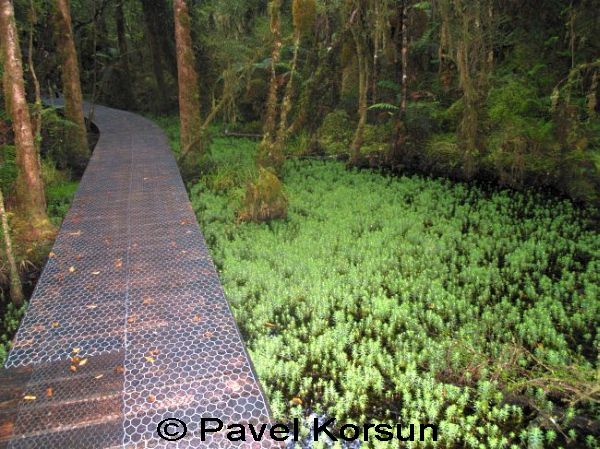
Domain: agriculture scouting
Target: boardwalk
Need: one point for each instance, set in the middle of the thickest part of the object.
(128, 324)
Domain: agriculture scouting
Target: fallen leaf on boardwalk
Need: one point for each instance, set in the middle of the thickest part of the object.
(233, 385)
(75, 359)
(151, 399)
(51, 255)
(131, 319)
(118, 263)
(83, 362)
(76, 350)
(155, 351)
(75, 233)
(49, 392)
(99, 376)
(73, 368)
(71, 269)
(55, 324)
(95, 273)
(119, 369)
(91, 306)
(196, 319)
(296, 401)
(29, 397)
(147, 301)
(150, 359)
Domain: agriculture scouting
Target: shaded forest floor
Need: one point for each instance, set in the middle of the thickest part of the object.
(411, 299)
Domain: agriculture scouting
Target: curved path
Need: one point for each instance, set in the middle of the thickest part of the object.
(128, 324)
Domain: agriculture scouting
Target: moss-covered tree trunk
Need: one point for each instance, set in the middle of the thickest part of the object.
(79, 150)
(270, 154)
(189, 91)
(303, 12)
(31, 200)
(363, 86)
(404, 57)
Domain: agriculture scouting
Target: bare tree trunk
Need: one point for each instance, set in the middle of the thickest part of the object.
(189, 90)
(29, 185)
(16, 290)
(80, 152)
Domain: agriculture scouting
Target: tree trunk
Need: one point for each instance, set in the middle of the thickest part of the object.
(271, 113)
(404, 54)
(363, 83)
(153, 35)
(189, 91)
(286, 106)
(36, 119)
(80, 152)
(270, 154)
(29, 185)
(16, 290)
(159, 22)
(122, 37)
(126, 75)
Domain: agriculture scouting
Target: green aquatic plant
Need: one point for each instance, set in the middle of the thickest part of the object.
(416, 300)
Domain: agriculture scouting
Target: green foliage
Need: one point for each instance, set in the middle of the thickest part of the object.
(411, 299)
(377, 138)
(335, 134)
(11, 318)
(386, 107)
(59, 195)
(8, 167)
(56, 143)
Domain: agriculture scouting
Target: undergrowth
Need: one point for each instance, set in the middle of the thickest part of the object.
(387, 299)
(414, 300)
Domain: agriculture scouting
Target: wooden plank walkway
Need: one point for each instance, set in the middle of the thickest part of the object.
(128, 324)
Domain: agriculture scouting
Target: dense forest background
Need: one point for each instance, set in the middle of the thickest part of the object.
(312, 133)
(504, 92)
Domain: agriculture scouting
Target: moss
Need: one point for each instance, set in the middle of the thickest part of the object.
(265, 199)
(335, 134)
(304, 13)
(377, 139)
